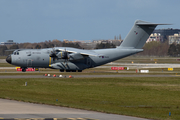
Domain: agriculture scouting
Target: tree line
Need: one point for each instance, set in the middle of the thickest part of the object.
(174, 50)
(150, 49)
(51, 44)
(105, 45)
(160, 49)
(155, 48)
(47, 44)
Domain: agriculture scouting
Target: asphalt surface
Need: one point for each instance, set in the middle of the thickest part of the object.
(130, 65)
(16, 109)
(84, 76)
(144, 65)
(3, 61)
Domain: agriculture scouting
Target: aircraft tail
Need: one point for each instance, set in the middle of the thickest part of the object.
(138, 35)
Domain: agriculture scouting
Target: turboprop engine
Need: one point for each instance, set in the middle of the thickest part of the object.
(62, 55)
(69, 66)
(70, 57)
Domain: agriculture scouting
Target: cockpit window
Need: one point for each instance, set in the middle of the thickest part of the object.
(16, 53)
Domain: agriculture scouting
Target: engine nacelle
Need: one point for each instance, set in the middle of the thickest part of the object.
(62, 55)
(75, 56)
(68, 66)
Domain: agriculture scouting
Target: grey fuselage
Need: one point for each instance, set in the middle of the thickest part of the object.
(39, 58)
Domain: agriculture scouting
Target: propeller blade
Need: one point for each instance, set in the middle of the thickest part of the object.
(53, 53)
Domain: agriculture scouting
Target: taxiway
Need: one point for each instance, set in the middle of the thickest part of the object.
(84, 76)
(16, 109)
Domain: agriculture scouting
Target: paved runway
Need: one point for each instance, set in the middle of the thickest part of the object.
(84, 76)
(144, 65)
(16, 109)
(130, 65)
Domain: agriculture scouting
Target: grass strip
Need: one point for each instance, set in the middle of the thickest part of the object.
(151, 98)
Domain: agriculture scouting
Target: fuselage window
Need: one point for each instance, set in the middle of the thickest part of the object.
(17, 53)
(14, 53)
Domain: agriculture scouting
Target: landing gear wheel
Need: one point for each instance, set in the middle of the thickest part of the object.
(68, 71)
(61, 70)
(79, 70)
(23, 69)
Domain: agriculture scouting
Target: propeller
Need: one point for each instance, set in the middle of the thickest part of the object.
(65, 56)
(53, 53)
(60, 54)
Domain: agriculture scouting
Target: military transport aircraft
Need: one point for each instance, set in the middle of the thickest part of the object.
(72, 59)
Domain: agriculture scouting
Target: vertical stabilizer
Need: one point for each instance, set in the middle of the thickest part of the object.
(138, 35)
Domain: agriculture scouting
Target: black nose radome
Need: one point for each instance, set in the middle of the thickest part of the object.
(8, 59)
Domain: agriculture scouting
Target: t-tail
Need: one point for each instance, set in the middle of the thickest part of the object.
(138, 35)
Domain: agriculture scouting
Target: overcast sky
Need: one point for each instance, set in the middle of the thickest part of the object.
(40, 20)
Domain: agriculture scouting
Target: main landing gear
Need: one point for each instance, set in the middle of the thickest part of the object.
(70, 70)
(61, 70)
(23, 69)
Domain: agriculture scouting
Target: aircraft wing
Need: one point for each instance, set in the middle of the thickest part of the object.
(81, 51)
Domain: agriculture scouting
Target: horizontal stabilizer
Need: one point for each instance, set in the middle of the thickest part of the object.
(139, 22)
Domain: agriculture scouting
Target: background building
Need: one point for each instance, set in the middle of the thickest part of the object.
(165, 33)
(9, 42)
(174, 39)
(155, 37)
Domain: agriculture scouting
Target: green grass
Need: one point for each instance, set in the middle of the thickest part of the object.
(3, 57)
(151, 98)
(6, 65)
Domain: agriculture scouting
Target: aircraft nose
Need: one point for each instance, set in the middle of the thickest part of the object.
(8, 59)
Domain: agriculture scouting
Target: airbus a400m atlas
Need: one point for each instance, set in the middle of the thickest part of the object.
(72, 60)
